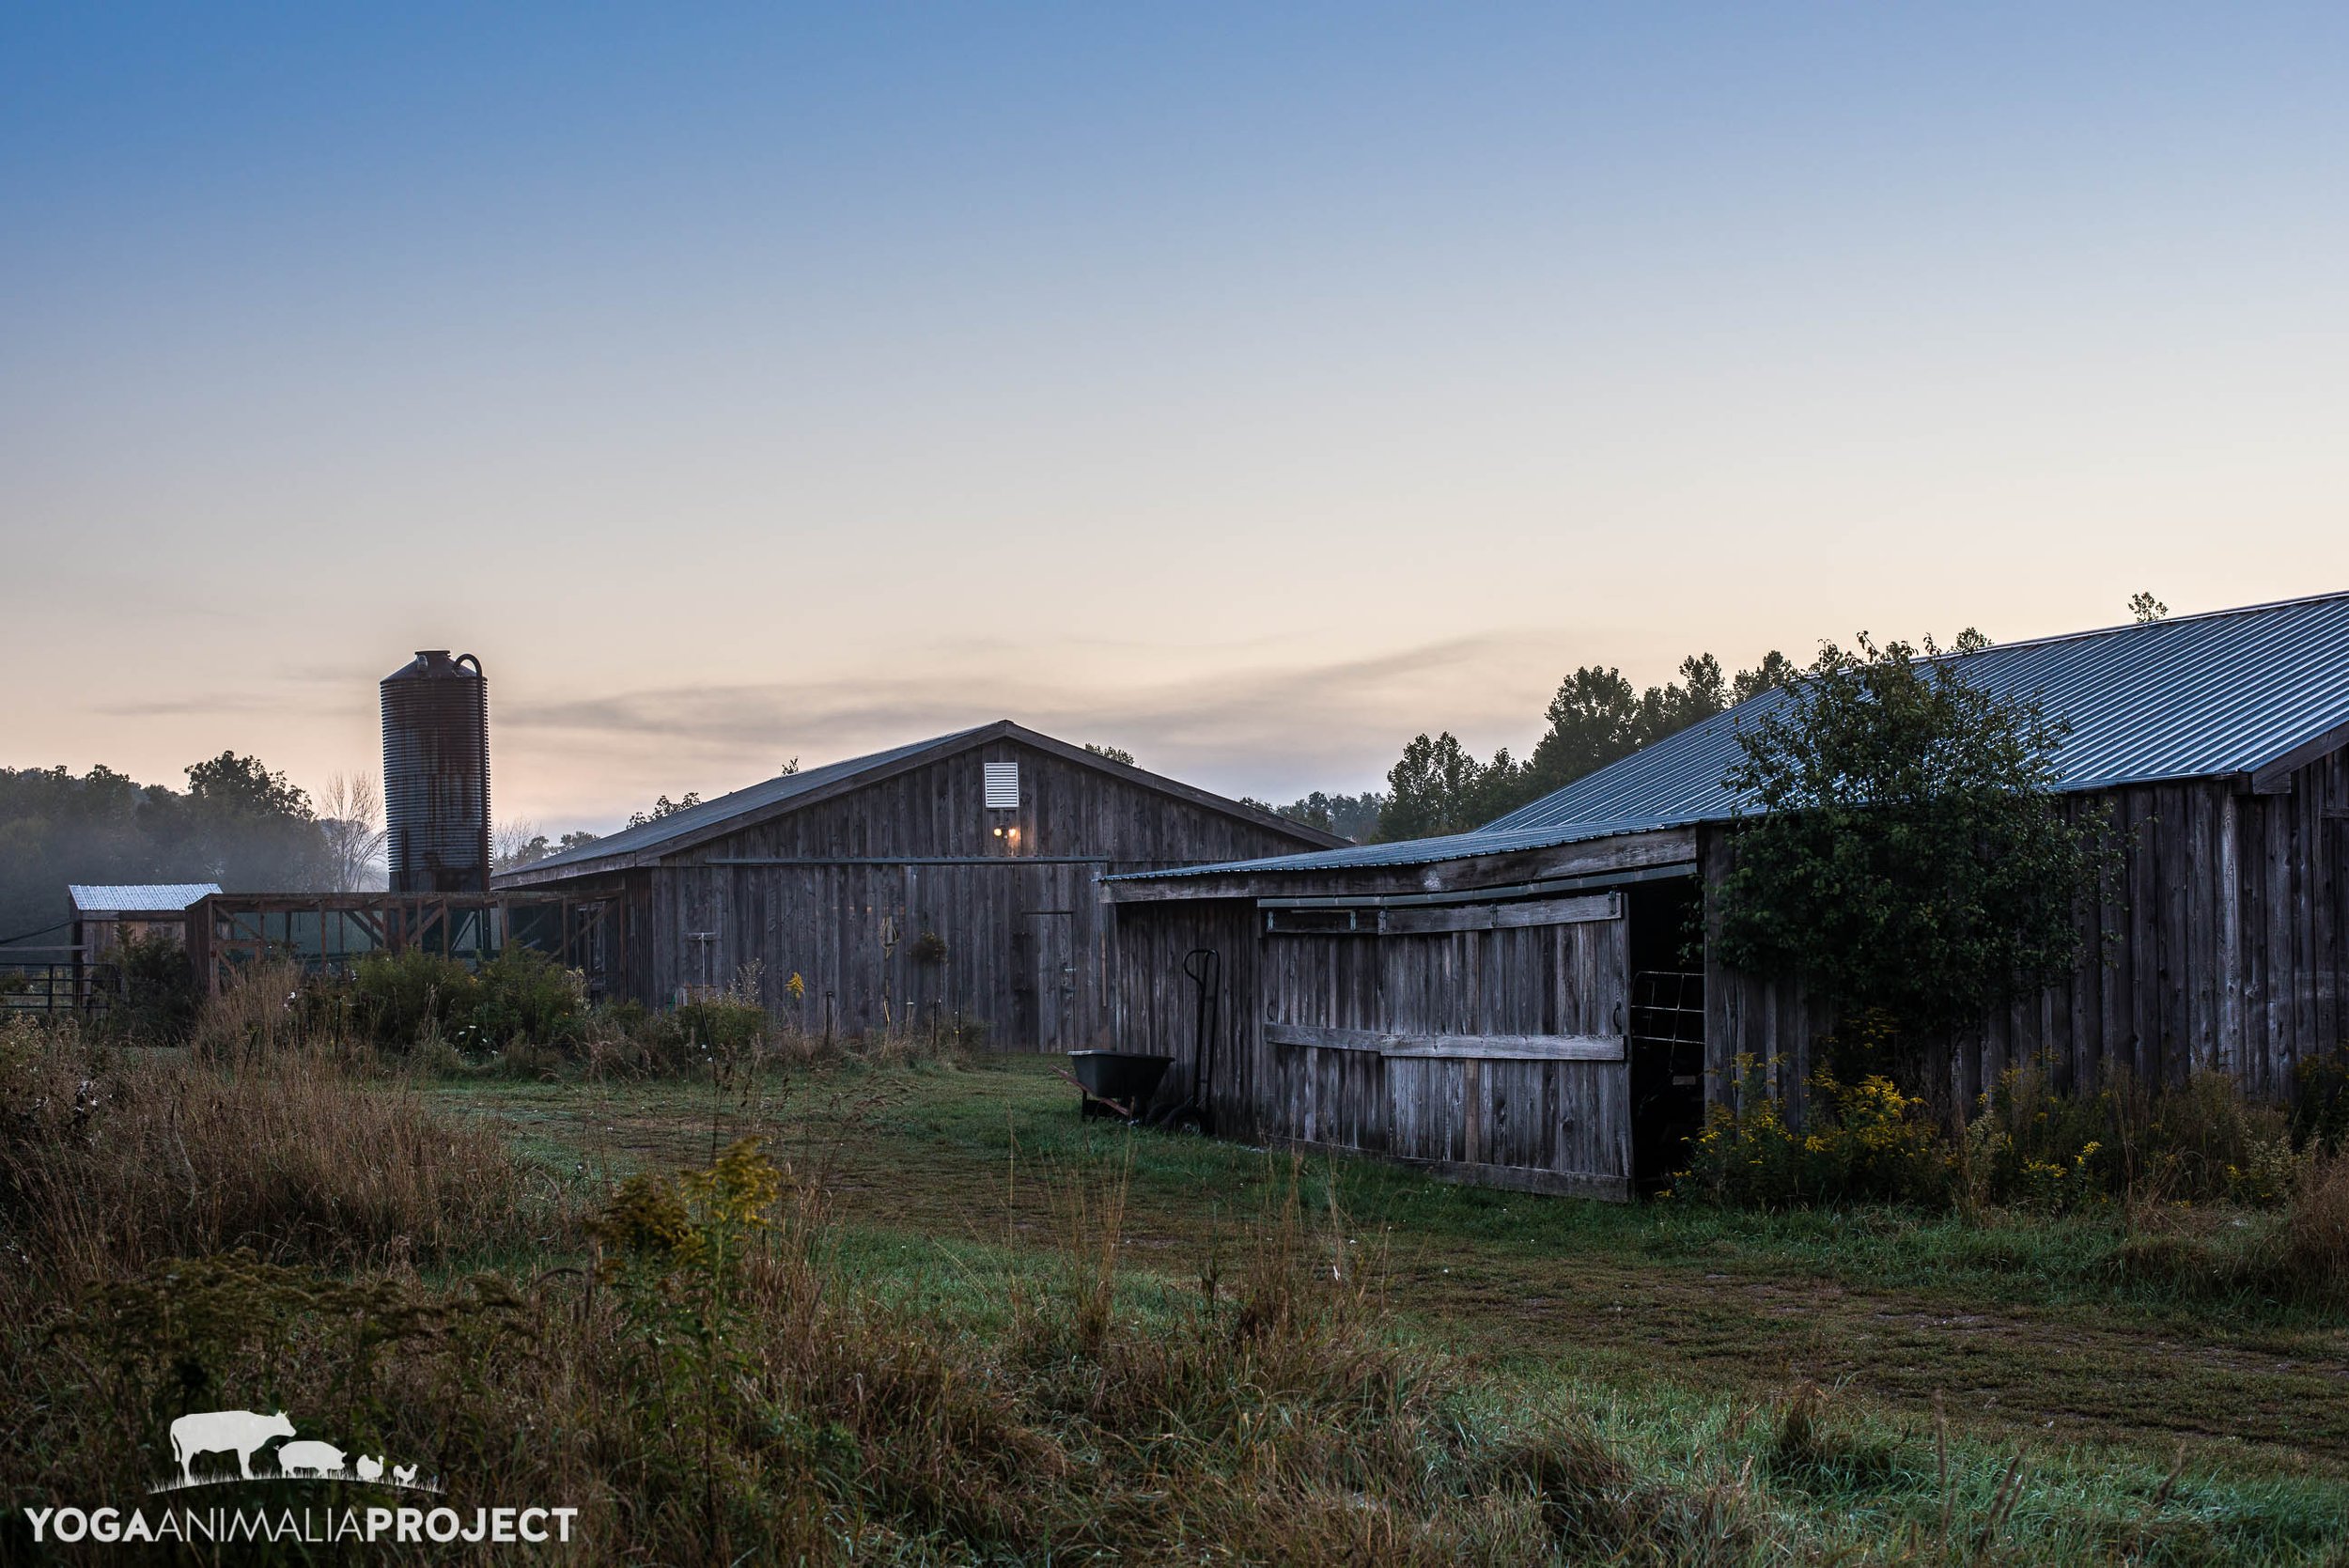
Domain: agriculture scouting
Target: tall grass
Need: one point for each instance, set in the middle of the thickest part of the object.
(113, 1161)
(707, 1371)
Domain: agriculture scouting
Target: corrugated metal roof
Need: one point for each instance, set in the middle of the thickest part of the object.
(137, 897)
(2199, 696)
(758, 797)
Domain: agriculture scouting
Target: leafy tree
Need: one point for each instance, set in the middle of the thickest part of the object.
(1774, 670)
(1593, 720)
(257, 829)
(244, 785)
(1439, 788)
(1114, 754)
(1354, 816)
(520, 845)
(1899, 847)
(664, 807)
(2143, 607)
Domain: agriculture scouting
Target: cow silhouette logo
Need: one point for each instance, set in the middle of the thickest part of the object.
(247, 1432)
(219, 1430)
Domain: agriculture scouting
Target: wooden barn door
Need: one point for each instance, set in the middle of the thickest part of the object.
(1484, 1041)
(1052, 944)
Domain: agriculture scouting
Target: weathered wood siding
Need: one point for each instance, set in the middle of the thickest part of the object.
(839, 892)
(2291, 853)
(1494, 1051)
(1157, 1004)
(2220, 945)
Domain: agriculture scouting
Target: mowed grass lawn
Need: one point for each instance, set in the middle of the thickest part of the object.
(2026, 1336)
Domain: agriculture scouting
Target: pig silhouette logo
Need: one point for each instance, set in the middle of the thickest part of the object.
(370, 1469)
(220, 1430)
(309, 1457)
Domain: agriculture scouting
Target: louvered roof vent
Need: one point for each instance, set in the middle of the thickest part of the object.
(1003, 786)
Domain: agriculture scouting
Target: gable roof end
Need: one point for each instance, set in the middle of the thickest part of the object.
(772, 797)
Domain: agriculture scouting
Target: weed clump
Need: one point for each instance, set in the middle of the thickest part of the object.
(110, 1161)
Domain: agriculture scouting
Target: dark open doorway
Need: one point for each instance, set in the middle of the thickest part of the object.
(1665, 1028)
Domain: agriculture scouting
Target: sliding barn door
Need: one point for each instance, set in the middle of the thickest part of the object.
(1484, 1041)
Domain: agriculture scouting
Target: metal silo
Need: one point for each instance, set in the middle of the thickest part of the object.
(436, 774)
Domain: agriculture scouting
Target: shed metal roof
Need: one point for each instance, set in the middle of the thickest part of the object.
(137, 897)
(2228, 694)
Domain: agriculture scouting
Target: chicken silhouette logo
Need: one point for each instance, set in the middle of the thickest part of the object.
(248, 1434)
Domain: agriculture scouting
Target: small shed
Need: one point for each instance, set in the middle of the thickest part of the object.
(106, 916)
(947, 883)
(1534, 1004)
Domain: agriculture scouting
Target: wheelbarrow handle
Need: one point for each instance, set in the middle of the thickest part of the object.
(1091, 1095)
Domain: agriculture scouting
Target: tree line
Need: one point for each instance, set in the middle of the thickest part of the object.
(236, 823)
(1598, 715)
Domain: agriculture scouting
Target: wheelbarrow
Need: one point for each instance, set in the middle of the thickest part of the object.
(1115, 1083)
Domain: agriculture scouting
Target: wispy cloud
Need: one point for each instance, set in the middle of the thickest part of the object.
(1264, 726)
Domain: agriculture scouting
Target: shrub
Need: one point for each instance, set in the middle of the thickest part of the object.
(1866, 1143)
(2030, 1147)
(720, 1023)
(2312, 1251)
(523, 995)
(1897, 841)
(158, 998)
(400, 996)
(2209, 1142)
(2320, 1100)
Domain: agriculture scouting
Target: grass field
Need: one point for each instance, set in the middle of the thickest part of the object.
(2220, 1425)
(961, 1324)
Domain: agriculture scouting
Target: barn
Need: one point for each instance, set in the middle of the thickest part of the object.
(1534, 1005)
(946, 882)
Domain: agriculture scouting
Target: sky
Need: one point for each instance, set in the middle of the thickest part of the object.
(1249, 386)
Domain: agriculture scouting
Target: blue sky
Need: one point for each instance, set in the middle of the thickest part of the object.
(1250, 386)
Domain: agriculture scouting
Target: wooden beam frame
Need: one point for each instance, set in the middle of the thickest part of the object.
(1597, 858)
(1457, 1047)
(2273, 776)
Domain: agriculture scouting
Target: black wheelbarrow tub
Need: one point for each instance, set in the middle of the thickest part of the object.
(1128, 1076)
